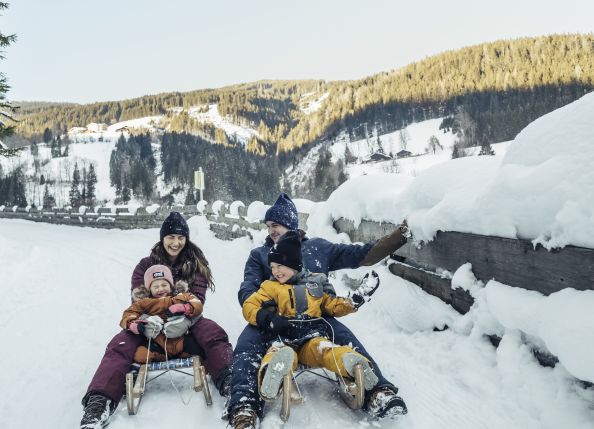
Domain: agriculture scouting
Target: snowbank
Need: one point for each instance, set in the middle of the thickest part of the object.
(542, 189)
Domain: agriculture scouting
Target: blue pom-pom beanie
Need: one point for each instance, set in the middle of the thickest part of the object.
(283, 212)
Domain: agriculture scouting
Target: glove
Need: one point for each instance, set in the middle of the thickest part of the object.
(367, 288)
(387, 245)
(269, 306)
(179, 309)
(134, 326)
(151, 326)
(272, 322)
(177, 326)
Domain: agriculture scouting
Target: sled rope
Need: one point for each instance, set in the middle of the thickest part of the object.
(184, 401)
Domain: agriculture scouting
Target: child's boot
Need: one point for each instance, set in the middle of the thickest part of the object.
(279, 365)
(351, 359)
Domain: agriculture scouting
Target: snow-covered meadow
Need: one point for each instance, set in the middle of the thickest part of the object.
(66, 288)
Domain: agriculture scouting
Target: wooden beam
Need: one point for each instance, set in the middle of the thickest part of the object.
(509, 261)
(435, 285)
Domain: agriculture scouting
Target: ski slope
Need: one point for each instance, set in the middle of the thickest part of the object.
(66, 287)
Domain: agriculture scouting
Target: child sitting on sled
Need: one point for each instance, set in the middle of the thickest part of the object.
(148, 316)
(288, 308)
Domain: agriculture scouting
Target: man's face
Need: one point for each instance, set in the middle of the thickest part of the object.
(275, 230)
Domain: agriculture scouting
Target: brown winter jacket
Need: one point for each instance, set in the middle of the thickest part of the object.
(158, 307)
(138, 290)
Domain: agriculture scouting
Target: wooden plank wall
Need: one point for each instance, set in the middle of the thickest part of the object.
(509, 261)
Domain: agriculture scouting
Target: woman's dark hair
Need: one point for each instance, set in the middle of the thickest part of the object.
(191, 258)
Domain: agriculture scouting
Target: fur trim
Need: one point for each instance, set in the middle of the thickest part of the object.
(139, 293)
(180, 287)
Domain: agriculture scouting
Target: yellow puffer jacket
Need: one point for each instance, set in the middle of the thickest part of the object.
(309, 295)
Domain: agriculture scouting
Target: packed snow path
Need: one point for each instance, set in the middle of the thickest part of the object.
(65, 289)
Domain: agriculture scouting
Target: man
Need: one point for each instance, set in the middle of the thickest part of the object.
(319, 256)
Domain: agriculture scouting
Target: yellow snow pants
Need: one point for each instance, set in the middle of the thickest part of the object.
(318, 352)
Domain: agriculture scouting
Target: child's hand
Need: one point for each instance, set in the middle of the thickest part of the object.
(151, 326)
(367, 288)
(133, 327)
(179, 309)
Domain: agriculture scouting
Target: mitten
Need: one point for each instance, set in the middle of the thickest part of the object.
(272, 322)
(177, 326)
(179, 309)
(368, 286)
(151, 327)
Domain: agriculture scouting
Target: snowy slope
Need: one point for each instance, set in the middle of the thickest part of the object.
(417, 135)
(68, 287)
(212, 116)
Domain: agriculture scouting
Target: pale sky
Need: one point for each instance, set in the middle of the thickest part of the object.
(84, 51)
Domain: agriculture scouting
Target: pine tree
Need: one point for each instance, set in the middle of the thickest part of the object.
(48, 200)
(74, 195)
(126, 195)
(190, 198)
(91, 185)
(6, 109)
(47, 135)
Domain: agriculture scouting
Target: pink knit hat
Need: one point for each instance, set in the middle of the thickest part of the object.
(157, 272)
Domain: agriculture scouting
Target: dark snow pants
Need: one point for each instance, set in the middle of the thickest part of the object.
(251, 347)
(110, 377)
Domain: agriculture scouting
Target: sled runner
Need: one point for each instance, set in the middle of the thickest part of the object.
(137, 379)
(351, 390)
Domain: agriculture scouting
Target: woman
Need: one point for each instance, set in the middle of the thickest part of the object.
(187, 264)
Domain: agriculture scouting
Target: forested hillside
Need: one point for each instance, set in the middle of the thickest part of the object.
(496, 87)
(485, 94)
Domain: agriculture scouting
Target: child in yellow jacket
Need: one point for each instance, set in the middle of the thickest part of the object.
(288, 308)
(148, 315)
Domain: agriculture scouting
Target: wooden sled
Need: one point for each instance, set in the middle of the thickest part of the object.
(137, 379)
(352, 390)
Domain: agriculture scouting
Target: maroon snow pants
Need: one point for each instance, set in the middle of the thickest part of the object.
(110, 377)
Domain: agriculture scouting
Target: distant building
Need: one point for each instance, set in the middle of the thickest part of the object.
(77, 130)
(124, 130)
(378, 156)
(94, 127)
(403, 154)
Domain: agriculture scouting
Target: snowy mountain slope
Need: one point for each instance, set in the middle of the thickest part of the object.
(416, 135)
(68, 287)
(212, 116)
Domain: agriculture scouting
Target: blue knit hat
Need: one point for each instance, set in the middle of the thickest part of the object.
(283, 212)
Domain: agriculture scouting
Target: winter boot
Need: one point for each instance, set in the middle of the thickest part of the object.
(244, 418)
(279, 365)
(351, 359)
(97, 412)
(384, 402)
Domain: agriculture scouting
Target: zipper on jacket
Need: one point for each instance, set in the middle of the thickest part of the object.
(291, 298)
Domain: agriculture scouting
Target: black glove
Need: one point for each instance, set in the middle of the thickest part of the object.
(269, 306)
(367, 288)
(272, 322)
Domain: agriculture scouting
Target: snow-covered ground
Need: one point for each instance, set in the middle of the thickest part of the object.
(68, 286)
(541, 189)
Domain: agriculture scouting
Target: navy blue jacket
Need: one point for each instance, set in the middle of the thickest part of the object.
(319, 256)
